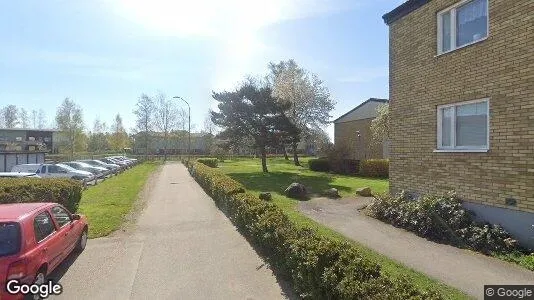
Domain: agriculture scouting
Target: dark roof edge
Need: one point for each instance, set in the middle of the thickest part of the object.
(403, 10)
(362, 104)
(22, 152)
(30, 129)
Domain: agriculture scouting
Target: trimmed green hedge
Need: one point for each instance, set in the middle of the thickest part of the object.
(210, 162)
(319, 164)
(374, 168)
(66, 192)
(318, 267)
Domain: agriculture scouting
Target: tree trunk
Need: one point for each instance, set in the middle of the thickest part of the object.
(264, 160)
(295, 154)
(285, 152)
(146, 145)
(165, 147)
(72, 151)
(72, 143)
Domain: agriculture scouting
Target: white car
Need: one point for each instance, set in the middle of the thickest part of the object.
(26, 168)
(18, 175)
(99, 172)
(63, 171)
(129, 161)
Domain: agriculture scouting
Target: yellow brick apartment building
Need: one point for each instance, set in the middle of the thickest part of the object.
(462, 105)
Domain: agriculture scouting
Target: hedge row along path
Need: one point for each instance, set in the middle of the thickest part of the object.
(182, 247)
(465, 270)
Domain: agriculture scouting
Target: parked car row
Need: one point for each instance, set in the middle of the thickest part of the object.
(88, 170)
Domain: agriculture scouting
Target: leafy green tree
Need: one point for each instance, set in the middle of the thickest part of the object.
(118, 139)
(310, 99)
(34, 118)
(98, 140)
(24, 120)
(252, 112)
(11, 116)
(69, 119)
(81, 144)
(209, 131)
(380, 126)
(144, 113)
(41, 119)
(166, 117)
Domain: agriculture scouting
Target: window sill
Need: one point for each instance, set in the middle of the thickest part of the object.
(461, 47)
(461, 150)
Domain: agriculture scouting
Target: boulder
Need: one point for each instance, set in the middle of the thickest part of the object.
(364, 192)
(266, 196)
(332, 193)
(296, 191)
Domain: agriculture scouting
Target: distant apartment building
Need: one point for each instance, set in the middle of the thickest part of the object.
(352, 131)
(25, 145)
(177, 143)
(27, 139)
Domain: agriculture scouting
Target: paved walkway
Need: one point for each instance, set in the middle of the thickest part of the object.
(466, 270)
(182, 247)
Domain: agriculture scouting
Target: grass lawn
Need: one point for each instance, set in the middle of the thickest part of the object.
(107, 203)
(522, 259)
(282, 173)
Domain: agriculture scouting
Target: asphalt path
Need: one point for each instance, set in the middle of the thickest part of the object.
(465, 270)
(181, 247)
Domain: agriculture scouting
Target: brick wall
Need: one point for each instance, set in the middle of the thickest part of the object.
(359, 148)
(500, 68)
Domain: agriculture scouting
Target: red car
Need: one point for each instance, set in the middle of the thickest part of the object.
(34, 239)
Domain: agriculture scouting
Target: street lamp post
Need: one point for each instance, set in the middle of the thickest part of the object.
(189, 130)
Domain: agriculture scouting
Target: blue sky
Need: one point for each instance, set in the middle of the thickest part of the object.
(104, 54)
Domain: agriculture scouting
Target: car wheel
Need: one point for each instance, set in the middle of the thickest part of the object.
(40, 279)
(82, 241)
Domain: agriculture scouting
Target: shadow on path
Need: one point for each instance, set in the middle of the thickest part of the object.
(62, 269)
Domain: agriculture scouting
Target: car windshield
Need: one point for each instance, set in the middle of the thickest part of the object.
(9, 238)
(66, 167)
(27, 168)
(83, 164)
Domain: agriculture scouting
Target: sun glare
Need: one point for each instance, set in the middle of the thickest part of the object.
(202, 17)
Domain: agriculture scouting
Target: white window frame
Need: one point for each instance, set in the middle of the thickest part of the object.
(453, 147)
(452, 9)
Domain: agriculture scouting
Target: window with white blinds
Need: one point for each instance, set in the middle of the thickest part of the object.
(464, 126)
(462, 24)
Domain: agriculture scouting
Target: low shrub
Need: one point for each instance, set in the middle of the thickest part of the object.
(337, 158)
(339, 166)
(345, 166)
(210, 162)
(442, 219)
(318, 267)
(319, 165)
(215, 183)
(374, 168)
(66, 192)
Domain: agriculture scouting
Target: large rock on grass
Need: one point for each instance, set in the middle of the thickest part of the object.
(296, 191)
(364, 192)
(332, 193)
